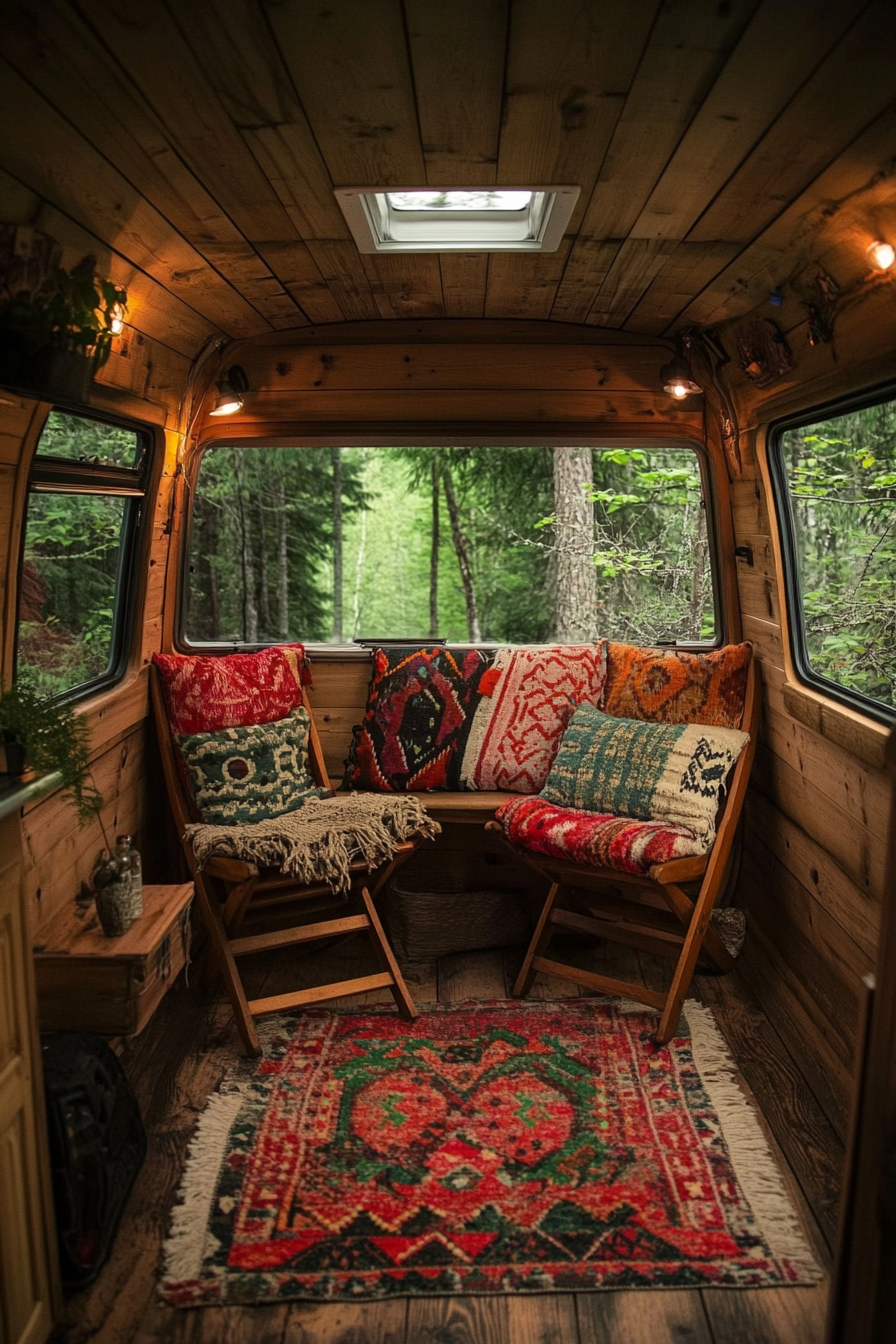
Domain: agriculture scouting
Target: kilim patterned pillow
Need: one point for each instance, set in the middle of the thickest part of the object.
(419, 711)
(518, 725)
(203, 694)
(650, 771)
(605, 841)
(250, 774)
(670, 686)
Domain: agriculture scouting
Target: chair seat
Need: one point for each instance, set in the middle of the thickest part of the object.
(599, 840)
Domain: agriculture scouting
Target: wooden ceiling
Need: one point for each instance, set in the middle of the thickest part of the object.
(720, 145)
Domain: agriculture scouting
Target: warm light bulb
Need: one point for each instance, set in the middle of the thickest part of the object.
(227, 403)
(881, 255)
(116, 320)
(678, 390)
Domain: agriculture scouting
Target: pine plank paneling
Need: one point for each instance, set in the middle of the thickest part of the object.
(404, 285)
(458, 366)
(853, 910)
(119, 123)
(148, 44)
(40, 148)
(366, 128)
(746, 283)
(685, 51)
(455, 49)
(464, 277)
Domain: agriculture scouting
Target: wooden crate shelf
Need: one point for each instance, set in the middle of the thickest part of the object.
(112, 986)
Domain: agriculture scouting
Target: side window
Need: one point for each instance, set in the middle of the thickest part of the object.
(836, 484)
(522, 545)
(85, 492)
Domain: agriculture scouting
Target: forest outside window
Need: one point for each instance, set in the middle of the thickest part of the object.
(85, 490)
(836, 483)
(514, 545)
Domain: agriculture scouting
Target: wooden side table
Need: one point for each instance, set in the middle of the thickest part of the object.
(112, 986)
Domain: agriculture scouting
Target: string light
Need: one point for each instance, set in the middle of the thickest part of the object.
(881, 255)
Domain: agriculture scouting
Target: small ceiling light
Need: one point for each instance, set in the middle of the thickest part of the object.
(230, 391)
(116, 320)
(881, 255)
(676, 376)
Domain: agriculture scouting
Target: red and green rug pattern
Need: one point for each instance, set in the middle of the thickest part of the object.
(486, 1148)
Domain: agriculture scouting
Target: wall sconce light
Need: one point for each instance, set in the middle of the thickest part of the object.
(116, 319)
(230, 391)
(676, 376)
(881, 255)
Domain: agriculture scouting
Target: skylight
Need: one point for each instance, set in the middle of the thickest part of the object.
(435, 219)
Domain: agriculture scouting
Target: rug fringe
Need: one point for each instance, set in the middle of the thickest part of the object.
(756, 1169)
(186, 1242)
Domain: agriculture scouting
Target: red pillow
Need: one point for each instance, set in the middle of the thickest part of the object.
(204, 693)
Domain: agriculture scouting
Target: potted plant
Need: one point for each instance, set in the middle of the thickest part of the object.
(53, 339)
(47, 736)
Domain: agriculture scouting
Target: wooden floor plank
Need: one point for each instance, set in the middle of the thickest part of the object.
(471, 975)
(545, 1319)
(805, 1135)
(767, 1315)
(674, 1317)
(457, 1320)
(343, 1323)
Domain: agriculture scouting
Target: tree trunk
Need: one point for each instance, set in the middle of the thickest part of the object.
(463, 559)
(250, 610)
(282, 564)
(264, 596)
(434, 553)
(209, 537)
(576, 583)
(698, 574)
(336, 454)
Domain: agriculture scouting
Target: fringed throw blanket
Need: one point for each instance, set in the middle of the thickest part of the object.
(320, 841)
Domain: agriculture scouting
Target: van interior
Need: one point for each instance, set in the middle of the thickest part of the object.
(380, 324)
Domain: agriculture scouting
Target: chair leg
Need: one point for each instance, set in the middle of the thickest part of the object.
(684, 969)
(538, 946)
(211, 913)
(400, 993)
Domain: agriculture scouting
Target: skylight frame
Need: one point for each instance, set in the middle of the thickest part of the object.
(376, 227)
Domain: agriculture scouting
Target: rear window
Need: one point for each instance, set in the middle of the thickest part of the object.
(489, 544)
(835, 478)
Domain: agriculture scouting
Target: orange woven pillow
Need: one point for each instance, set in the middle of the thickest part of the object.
(671, 686)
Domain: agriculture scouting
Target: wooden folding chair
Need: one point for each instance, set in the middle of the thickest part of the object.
(665, 918)
(231, 893)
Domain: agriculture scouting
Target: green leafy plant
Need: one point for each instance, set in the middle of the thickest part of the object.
(53, 738)
(71, 310)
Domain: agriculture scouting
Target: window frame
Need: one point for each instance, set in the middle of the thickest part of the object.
(426, 438)
(782, 500)
(66, 476)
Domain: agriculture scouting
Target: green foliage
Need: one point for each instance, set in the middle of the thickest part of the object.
(54, 738)
(72, 310)
(842, 479)
(649, 544)
(71, 566)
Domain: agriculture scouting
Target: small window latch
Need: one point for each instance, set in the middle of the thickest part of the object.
(744, 553)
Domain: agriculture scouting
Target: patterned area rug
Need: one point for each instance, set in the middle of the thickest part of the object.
(487, 1148)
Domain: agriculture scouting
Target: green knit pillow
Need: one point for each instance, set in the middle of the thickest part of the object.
(651, 771)
(242, 775)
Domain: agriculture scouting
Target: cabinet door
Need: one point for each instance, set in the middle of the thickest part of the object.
(25, 1301)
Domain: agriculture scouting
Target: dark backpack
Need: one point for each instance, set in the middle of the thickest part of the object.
(97, 1146)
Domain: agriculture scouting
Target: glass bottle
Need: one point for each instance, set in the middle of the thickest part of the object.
(127, 859)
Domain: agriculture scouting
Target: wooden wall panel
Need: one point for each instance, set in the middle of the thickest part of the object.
(816, 822)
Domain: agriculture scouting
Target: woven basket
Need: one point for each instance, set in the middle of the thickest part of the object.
(434, 919)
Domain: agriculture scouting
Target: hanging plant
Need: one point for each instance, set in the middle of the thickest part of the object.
(65, 327)
(48, 736)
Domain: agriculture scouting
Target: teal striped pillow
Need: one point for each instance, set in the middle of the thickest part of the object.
(651, 771)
